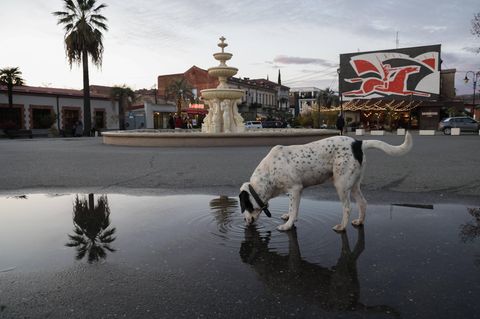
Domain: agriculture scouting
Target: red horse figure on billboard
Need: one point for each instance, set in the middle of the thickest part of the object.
(383, 79)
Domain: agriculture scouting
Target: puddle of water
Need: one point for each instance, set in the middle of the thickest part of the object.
(408, 260)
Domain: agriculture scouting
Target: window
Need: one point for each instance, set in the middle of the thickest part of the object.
(10, 118)
(42, 118)
(69, 118)
(99, 119)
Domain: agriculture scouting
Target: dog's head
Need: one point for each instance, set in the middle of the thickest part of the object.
(250, 209)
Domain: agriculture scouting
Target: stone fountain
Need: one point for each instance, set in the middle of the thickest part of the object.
(223, 125)
(223, 116)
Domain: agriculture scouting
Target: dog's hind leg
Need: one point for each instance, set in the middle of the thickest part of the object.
(294, 195)
(361, 203)
(343, 188)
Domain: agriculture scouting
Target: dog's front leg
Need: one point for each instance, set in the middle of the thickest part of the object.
(294, 195)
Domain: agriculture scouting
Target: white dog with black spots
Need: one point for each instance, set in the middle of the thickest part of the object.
(289, 169)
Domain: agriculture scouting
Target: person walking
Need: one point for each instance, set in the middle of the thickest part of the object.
(171, 122)
(340, 123)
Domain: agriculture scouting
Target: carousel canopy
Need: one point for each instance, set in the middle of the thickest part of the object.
(375, 105)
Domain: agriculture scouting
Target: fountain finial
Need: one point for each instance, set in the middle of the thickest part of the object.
(223, 44)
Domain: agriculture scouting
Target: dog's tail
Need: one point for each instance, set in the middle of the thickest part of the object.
(392, 150)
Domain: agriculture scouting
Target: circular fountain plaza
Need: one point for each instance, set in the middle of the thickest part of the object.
(223, 125)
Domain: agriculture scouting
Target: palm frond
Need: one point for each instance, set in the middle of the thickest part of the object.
(100, 7)
(100, 25)
(81, 252)
(98, 17)
(110, 249)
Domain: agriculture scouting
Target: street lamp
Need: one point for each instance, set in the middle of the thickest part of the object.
(340, 91)
(475, 78)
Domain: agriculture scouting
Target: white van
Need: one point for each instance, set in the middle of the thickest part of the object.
(253, 124)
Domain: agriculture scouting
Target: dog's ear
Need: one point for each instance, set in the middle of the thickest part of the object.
(245, 202)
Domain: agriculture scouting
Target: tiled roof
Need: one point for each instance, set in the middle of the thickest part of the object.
(258, 83)
(38, 90)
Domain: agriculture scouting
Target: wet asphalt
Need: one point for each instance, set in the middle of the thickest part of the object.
(438, 169)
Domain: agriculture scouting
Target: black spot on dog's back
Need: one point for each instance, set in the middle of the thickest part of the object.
(357, 151)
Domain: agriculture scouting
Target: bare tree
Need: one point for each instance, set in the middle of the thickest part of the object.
(476, 27)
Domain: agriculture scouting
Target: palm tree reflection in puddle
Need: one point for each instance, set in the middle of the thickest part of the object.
(91, 223)
(471, 230)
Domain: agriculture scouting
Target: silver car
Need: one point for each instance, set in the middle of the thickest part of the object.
(464, 123)
(253, 124)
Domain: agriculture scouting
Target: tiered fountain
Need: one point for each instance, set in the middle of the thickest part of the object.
(223, 125)
(223, 116)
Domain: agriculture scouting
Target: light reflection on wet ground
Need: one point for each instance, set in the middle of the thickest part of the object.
(174, 256)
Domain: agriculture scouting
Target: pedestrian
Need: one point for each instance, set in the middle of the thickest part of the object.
(340, 123)
(78, 129)
(74, 128)
(171, 122)
(178, 122)
(189, 123)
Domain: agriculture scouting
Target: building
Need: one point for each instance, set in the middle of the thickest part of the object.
(197, 78)
(303, 97)
(262, 99)
(36, 108)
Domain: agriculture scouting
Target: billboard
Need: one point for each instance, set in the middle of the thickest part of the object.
(407, 73)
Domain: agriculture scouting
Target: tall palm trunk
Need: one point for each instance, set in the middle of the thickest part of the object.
(87, 117)
(10, 95)
(91, 202)
(121, 112)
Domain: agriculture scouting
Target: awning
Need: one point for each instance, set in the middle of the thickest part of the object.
(195, 111)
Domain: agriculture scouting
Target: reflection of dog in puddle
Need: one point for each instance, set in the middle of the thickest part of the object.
(289, 169)
(335, 289)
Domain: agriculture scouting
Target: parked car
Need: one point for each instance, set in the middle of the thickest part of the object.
(274, 124)
(253, 124)
(464, 123)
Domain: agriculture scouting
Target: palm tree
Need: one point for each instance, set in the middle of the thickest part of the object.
(83, 25)
(125, 96)
(179, 90)
(91, 223)
(327, 98)
(11, 77)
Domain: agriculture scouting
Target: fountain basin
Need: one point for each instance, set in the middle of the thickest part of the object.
(222, 56)
(222, 71)
(222, 94)
(191, 138)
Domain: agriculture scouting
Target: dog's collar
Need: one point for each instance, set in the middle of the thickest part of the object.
(263, 206)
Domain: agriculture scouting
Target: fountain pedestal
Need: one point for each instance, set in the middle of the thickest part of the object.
(223, 116)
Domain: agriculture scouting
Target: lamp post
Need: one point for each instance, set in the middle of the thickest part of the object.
(475, 78)
(340, 91)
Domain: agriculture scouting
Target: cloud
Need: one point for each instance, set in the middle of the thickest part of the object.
(434, 28)
(283, 59)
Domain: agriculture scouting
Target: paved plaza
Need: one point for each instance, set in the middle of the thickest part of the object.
(439, 168)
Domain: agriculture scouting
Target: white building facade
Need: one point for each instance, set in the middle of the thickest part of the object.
(32, 105)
